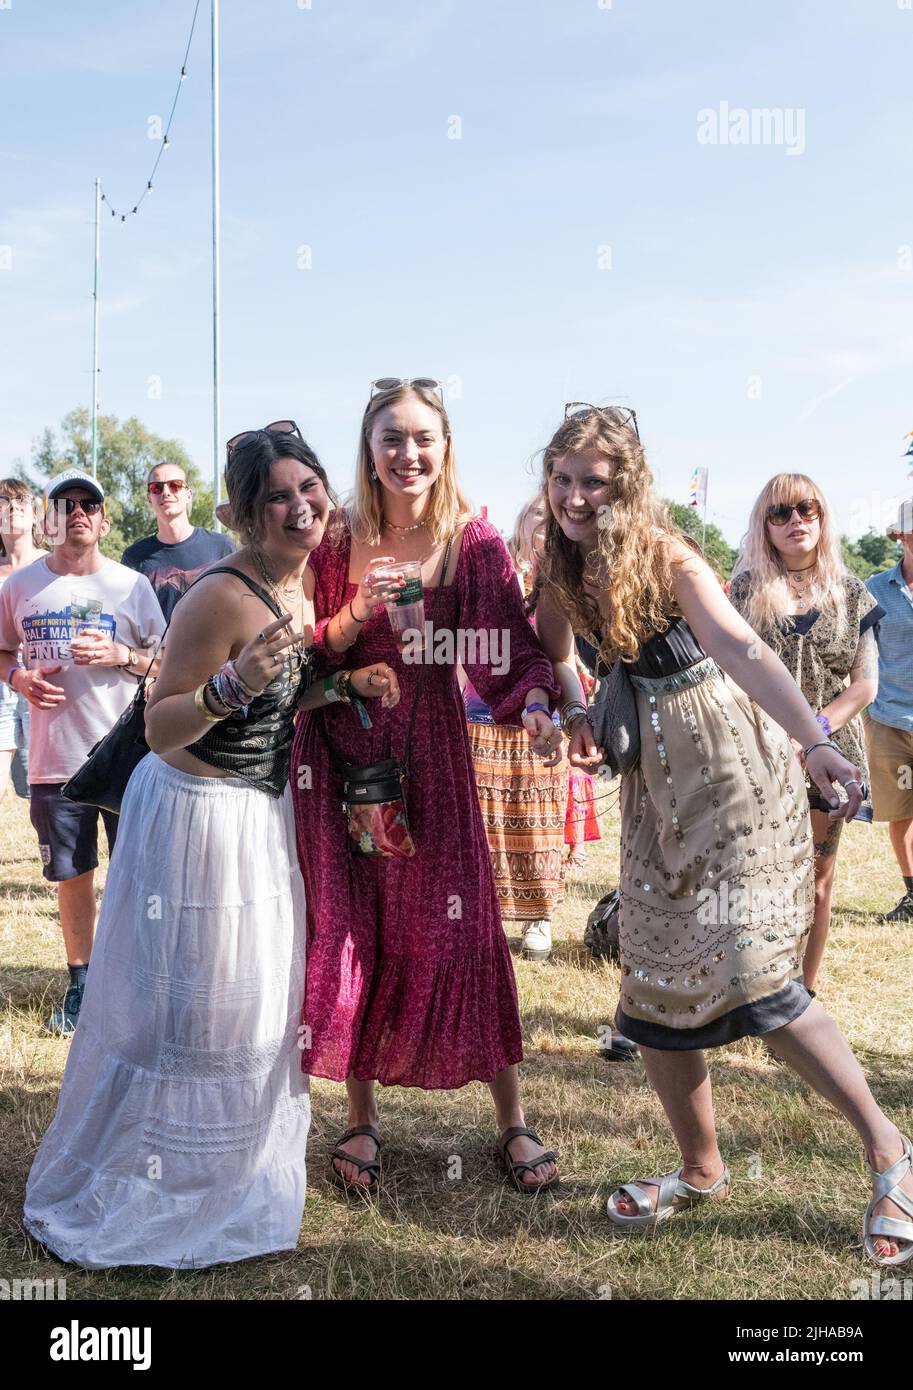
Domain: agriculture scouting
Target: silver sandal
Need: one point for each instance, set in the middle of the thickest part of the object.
(674, 1195)
(887, 1184)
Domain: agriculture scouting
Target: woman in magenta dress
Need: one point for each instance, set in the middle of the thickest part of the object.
(410, 981)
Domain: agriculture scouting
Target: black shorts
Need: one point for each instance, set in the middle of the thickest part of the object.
(67, 832)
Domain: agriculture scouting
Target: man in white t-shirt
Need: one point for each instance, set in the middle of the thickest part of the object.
(82, 621)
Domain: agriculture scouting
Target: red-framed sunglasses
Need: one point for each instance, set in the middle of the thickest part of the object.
(174, 486)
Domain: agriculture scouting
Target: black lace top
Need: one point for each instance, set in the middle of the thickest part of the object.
(661, 655)
(255, 742)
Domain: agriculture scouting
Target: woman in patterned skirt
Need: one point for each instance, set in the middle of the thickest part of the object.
(524, 801)
(792, 587)
(716, 866)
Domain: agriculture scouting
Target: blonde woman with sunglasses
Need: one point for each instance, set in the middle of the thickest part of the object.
(792, 587)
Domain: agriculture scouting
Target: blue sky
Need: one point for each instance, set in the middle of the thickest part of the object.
(758, 308)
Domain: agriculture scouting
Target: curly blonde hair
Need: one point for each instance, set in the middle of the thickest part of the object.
(448, 508)
(632, 559)
(769, 599)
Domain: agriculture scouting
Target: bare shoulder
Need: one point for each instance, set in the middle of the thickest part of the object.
(214, 600)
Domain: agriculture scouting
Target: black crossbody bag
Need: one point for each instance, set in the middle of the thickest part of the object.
(373, 796)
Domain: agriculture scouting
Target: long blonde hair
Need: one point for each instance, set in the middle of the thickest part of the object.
(448, 507)
(632, 557)
(769, 599)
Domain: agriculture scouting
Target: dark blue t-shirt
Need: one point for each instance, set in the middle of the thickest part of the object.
(171, 569)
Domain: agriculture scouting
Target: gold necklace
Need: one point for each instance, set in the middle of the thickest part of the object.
(294, 651)
(403, 529)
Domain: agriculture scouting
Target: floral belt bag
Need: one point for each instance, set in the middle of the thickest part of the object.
(376, 812)
(373, 796)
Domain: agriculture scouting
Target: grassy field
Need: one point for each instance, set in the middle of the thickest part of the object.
(791, 1230)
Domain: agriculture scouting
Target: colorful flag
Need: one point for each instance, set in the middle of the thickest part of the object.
(698, 495)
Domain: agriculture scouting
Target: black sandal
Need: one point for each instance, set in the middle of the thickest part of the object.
(514, 1169)
(364, 1165)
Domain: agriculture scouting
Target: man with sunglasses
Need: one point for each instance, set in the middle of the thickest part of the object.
(179, 551)
(84, 623)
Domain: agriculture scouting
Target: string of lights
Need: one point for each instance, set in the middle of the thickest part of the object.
(166, 137)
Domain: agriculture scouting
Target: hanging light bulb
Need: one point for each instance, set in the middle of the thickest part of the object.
(166, 142)
(183, 74)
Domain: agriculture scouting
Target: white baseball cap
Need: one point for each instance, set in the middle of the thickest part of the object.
(904, 524)
(72, 477)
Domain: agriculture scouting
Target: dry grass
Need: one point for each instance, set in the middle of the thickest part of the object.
(791, 1229)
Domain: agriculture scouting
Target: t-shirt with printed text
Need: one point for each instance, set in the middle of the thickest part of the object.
(35, 608)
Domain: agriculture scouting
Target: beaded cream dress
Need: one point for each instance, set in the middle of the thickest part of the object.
(717, 864)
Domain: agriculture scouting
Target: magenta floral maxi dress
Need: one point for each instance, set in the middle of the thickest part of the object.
(409, 977)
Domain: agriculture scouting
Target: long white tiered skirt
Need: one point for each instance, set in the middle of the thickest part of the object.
(180, 1132)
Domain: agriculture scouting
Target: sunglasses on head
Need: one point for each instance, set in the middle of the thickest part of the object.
(174, 486)
(89, 505)
(611, 412)
(809, 509)
(393, 383)
(277, 427)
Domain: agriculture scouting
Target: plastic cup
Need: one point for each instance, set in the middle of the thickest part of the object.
(85, 612)
(407, 612)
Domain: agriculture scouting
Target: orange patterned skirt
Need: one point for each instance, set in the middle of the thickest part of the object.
(524, 807)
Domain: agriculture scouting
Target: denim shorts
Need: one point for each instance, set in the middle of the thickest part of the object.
(67, 832)
(14, 719)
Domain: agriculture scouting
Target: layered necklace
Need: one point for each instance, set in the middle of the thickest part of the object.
(799, 587)
(293, 658)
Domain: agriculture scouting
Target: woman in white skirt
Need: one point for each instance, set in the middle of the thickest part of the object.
(179, 1138)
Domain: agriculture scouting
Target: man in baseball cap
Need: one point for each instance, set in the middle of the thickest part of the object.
(85, 625)
(889, 719)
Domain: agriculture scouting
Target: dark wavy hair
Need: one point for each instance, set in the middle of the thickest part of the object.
(247, 477)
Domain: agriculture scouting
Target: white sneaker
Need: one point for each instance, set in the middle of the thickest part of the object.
(537, 940)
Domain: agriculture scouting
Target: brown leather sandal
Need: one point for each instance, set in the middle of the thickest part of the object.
(515, 1169)
(364, 1165)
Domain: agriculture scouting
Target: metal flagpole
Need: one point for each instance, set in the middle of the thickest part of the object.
(95, 336)
(216, 265)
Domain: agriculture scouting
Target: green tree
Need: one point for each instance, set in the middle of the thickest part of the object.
(870, 554)
(126, 452)
(717, 551)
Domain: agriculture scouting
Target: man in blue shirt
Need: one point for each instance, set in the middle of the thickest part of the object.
(889, 720)
(173, 558)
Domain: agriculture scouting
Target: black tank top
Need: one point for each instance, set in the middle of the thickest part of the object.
(661, 655)
(255, 742)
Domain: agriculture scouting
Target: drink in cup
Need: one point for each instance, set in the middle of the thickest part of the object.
(407, 611)
(85, 612)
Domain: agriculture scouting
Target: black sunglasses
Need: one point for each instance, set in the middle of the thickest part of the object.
(615, 414)
(277, 427)
(809, 510)
(89, 505)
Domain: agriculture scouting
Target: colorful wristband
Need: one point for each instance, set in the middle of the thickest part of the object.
(531, 709)
(825, 723)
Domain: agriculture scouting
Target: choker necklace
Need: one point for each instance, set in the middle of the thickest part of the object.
(393, 527)
(805, 571)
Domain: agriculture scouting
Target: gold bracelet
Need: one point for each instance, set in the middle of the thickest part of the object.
(203, 709)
